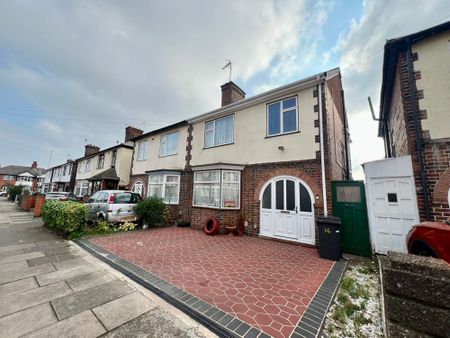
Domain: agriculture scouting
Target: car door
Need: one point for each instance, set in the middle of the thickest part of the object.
(102, 204)
(91, 204)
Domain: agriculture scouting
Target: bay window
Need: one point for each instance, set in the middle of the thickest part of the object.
(169, 144)
(217, 189)
(282, 117)
(219, 132)
(165, 186)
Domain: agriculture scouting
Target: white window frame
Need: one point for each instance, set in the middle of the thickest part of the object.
(221, 206)
(214, 132)
(166, 138)
(101, 160)
(80, 186)
(113, 158)
(164, 183)
(136, 184)
(142, 151)
(87, 167)
(8, 177)
(281, 116)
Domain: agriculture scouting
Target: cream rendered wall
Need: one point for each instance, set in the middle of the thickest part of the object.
(82, 175)
(154, 161)
(434, 67)
(250, 143)
(123, 164)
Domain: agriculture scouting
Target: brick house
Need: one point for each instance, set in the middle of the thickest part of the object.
(105, 169)
(30, 177)
(261, 161)
(60, 177)
(415, 115)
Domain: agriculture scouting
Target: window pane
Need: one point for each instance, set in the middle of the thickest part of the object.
(267, 198)
(305, 199)
(289, 103)
(279, 195)
(223, 131)
(231, 176)
(207, 176)
(207, 194)
(274, 118)
(290, 195)
(348, 194)
(289, 121)
(156, 178)
(209, 138)
(155, 190)
(172, 178)
(172, 143)
(230, 195)
(171, 193)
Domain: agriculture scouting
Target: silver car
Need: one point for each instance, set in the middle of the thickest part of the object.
(113, 206)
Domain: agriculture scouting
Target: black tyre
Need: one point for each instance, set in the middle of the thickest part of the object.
(421, 249)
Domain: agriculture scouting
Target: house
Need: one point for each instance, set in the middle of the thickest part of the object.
(415, 113)
(105, 169)
(266, 161)
(60, 178)
(30, 177)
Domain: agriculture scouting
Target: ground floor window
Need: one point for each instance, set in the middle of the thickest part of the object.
(217, 189)
(81, 189)
(165, 186)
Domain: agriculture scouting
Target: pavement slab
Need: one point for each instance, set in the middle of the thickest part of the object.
(12, 247)
(20, 265)
(19, 301)
(60, 275)
(123, 309)
(32, 319)
(21, 257)
(24, 273)
(89, 280)
(87, 299)
(18, 286)
(83, 325)
(51, 259)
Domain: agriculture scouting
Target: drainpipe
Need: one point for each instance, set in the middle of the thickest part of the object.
(423, 178)
(322, 155)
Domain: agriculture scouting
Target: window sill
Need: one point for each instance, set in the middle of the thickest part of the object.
(141, 160)
(220, 145)
(160, 156)
(284, 134)
(214, 208)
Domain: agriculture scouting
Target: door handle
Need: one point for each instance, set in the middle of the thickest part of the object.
(296, 210)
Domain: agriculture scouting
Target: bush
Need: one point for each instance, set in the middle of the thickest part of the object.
(64, 216)
(13, 191)
(153, 211)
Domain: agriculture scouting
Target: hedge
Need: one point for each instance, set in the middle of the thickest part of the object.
(64, 216)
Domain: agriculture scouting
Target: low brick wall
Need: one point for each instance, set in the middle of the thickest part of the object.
(417, 296)
(40, 201)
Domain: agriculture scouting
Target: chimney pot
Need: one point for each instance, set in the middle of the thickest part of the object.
(231, 93)
(131, 132)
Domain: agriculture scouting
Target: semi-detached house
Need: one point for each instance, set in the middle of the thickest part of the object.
(266, 161)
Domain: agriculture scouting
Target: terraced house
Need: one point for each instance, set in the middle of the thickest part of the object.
(266, 162)
(60, 177)
(105, 169)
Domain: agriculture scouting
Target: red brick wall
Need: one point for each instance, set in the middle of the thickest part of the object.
(6, 182)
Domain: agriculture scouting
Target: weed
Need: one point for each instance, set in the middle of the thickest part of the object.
(350, 308)
(360, 320)
(339, 315)
(347, 284)
(342, 298)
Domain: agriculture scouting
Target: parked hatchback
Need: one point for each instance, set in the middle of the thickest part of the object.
(113, 206)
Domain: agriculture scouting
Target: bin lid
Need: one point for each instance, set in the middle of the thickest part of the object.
(329, 219)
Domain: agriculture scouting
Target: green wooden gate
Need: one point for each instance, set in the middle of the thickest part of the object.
(349, 203)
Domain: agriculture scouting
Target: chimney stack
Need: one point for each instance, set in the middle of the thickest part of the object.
(131, 132)
(90, 149)
(34, 165)
(231, 93)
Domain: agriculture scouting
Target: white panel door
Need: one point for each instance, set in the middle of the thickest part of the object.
(394, 211)
(285, 216)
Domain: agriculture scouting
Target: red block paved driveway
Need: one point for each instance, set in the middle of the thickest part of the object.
(265, 283)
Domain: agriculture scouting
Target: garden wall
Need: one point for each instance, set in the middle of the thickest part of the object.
(417, 296)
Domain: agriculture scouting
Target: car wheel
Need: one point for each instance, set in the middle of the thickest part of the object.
(421, 249)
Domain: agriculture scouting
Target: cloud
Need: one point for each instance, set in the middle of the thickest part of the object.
(361, 51)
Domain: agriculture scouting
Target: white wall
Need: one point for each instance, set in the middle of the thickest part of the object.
(434, 67)
(250, 142)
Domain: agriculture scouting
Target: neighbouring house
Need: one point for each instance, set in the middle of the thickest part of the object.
(266, 161)
(415, 113)
(30, 177)
(105, 169)
(60, 178)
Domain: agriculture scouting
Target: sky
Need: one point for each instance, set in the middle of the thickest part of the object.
(77, 72)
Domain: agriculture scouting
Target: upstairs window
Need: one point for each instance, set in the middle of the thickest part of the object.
(282, 117)
(169, 144)
(113, 158)
(219, 132)
(142, 151)
(88, 166)
(101, 161)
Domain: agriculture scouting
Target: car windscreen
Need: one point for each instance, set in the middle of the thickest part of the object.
(126, 198)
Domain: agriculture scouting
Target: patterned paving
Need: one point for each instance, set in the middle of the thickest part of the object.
(264, 283)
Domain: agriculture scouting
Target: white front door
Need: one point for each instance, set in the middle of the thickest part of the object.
(394, 212)
(287, 211)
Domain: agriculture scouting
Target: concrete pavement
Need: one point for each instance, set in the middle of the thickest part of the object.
(49, 287)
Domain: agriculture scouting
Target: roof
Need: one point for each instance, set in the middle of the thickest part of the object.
(15, 170)
(109, 174)
(121, 145)
(160, 130)
(61, 165)
(392, 48)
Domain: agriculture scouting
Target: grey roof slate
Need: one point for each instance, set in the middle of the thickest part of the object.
(109, 174)
(15, 170)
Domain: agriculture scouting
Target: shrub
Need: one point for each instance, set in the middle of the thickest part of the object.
(64, 216)
(152, 210)
(127, 226)
(13, 191)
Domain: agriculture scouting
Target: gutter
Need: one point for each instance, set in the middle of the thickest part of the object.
(321, 80)
(423, 177)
